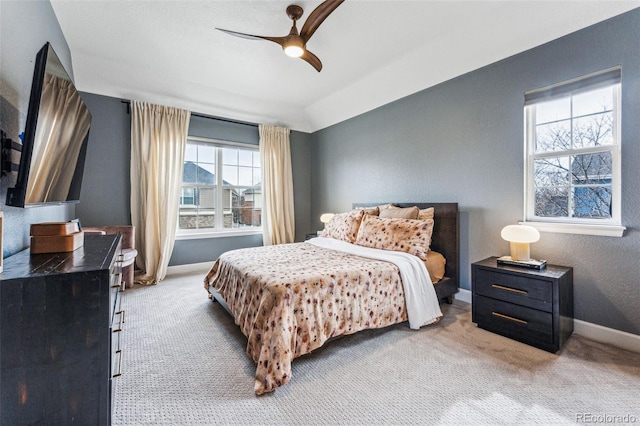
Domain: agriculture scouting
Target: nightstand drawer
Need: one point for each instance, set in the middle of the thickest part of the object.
(523, 324)
(534, 293)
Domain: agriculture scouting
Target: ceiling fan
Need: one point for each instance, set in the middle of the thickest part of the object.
(295, 44)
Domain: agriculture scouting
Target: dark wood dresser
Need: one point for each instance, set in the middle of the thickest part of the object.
(532, 306)
(58, 313)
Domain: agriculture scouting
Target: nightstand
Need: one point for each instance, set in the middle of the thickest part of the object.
(532, 306)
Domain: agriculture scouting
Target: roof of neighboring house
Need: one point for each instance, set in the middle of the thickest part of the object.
(193, 173)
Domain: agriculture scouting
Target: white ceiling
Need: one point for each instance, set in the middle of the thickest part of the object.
(373, 52)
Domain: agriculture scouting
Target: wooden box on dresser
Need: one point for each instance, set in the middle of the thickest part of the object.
(58, 312)
(532, 306)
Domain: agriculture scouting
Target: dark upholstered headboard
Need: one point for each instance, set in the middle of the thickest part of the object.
(444, 240)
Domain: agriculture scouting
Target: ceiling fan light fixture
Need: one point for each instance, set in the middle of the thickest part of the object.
(294, 47)
(294, 44)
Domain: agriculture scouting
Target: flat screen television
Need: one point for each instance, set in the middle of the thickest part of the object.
(55, 138)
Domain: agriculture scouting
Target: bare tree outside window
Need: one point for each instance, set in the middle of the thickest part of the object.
(572, 160)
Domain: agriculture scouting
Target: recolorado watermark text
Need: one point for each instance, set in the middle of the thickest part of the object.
(606, 418)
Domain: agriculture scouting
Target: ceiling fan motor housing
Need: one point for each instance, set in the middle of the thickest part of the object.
(294, 12)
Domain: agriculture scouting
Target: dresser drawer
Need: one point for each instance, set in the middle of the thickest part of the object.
(117, 353)
(525, 291)
(116, 325)
(115, 285)
(116, 331)
(526, 325)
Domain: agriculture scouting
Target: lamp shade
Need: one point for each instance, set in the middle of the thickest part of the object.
(326, 217)
(520, 234)
(519, 237)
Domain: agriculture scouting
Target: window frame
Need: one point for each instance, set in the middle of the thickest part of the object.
(218, 231)
(574, 225)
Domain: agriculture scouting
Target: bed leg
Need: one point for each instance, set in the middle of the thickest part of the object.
(449, 300)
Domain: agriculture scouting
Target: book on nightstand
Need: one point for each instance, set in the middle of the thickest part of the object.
(531, 263)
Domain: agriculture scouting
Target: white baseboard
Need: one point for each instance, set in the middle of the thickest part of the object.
(463, 295)
(620, 339)
(611, 336)
(190, 268)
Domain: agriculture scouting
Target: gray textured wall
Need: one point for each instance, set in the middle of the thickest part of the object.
(463, 141)
(24, 28)
(301, 164)
(106, 190)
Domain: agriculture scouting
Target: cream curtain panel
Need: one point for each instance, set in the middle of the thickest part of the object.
(278, 220)
(63, 119)
(158, 140)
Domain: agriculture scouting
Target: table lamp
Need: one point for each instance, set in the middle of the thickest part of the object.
(326, 217)
(519, 237)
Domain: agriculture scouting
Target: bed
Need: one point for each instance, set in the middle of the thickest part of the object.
(290, 299)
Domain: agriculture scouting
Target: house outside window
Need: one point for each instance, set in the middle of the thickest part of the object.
(221, 191)
(572, 162)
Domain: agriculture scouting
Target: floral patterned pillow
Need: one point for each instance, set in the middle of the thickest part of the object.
(409, 235)
(344, 226)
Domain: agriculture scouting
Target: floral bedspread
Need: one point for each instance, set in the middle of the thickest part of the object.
(289, 299)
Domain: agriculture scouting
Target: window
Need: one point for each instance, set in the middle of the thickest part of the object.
(221, 189)
(572, 170)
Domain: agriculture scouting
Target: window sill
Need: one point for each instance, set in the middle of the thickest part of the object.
(217, 234)
(575, 228)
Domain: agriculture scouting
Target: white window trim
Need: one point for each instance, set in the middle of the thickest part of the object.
(578, 228)
(199, 234)
(219, 232)
(600, 227)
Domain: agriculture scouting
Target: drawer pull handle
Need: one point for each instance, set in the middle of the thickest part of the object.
(119, 329)
(513, 290)
(507, 317)
(117, 278)
(120, 354)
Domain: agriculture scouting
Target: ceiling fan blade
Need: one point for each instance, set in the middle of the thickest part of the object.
(278, 40)
(242, 35)
(312, 60)
(318, 16)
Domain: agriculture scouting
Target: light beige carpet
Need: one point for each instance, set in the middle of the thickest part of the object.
(185, 365)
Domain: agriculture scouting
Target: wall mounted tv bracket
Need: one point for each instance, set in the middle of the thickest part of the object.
(8, 145)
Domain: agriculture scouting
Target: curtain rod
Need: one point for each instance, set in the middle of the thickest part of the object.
(227, 120)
